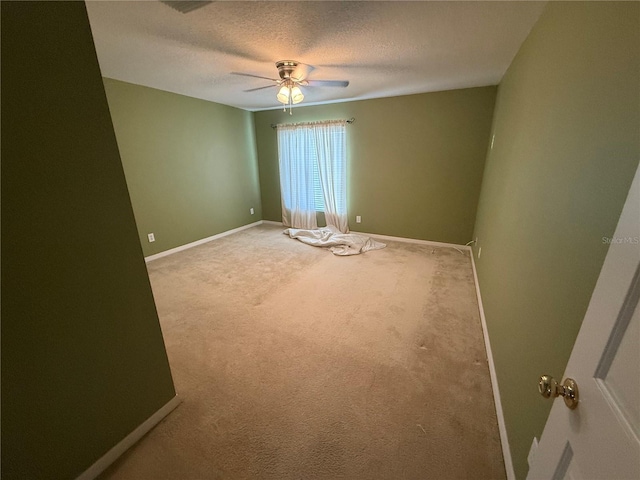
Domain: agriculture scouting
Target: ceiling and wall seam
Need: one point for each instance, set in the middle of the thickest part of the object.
(384, 49)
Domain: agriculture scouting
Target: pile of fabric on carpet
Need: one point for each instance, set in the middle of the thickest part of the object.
(339, 243)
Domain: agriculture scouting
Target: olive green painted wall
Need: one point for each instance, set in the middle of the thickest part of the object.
(415, 162)
(83, 359)
(567, 126)
(190, 164)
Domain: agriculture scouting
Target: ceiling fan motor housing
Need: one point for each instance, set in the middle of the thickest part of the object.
(286, 68)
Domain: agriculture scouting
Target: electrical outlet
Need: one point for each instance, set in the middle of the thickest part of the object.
(479, 252)
(251, 210)
(151, 237)
(358, 219)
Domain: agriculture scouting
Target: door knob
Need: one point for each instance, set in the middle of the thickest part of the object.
(548, 387)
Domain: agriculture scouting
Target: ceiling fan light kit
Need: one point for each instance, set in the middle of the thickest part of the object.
(296, 95)
(289, 93)
(283, 95)
(293, 75)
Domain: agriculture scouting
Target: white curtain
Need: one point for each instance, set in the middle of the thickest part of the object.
(331, 151)
(313, 170)
(296, 177)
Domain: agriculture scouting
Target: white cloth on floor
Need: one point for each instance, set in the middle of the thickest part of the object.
(339, 243)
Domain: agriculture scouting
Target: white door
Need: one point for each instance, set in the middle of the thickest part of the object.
(599, 439)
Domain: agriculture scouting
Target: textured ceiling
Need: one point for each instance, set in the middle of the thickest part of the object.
(383, 48)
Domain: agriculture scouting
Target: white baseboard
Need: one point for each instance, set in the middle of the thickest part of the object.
(504, 440)
(396, 239)
(127, 442)
(171, 251)
(414, 240)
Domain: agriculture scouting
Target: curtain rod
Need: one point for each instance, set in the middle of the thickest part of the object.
(273, 125)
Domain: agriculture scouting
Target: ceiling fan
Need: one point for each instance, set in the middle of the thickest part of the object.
(293, 75)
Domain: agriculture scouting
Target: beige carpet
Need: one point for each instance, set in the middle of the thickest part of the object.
(293, 363)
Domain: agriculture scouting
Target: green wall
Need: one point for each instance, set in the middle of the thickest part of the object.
(415, 162)
(190, 164)
(566, 125)
(83, 360)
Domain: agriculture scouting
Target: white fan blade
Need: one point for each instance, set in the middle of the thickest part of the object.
(328, 83)
(301, 72)
(259, 88)
(254, 76)
(185, 6)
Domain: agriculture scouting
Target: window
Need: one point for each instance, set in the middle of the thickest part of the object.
(312, 159)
